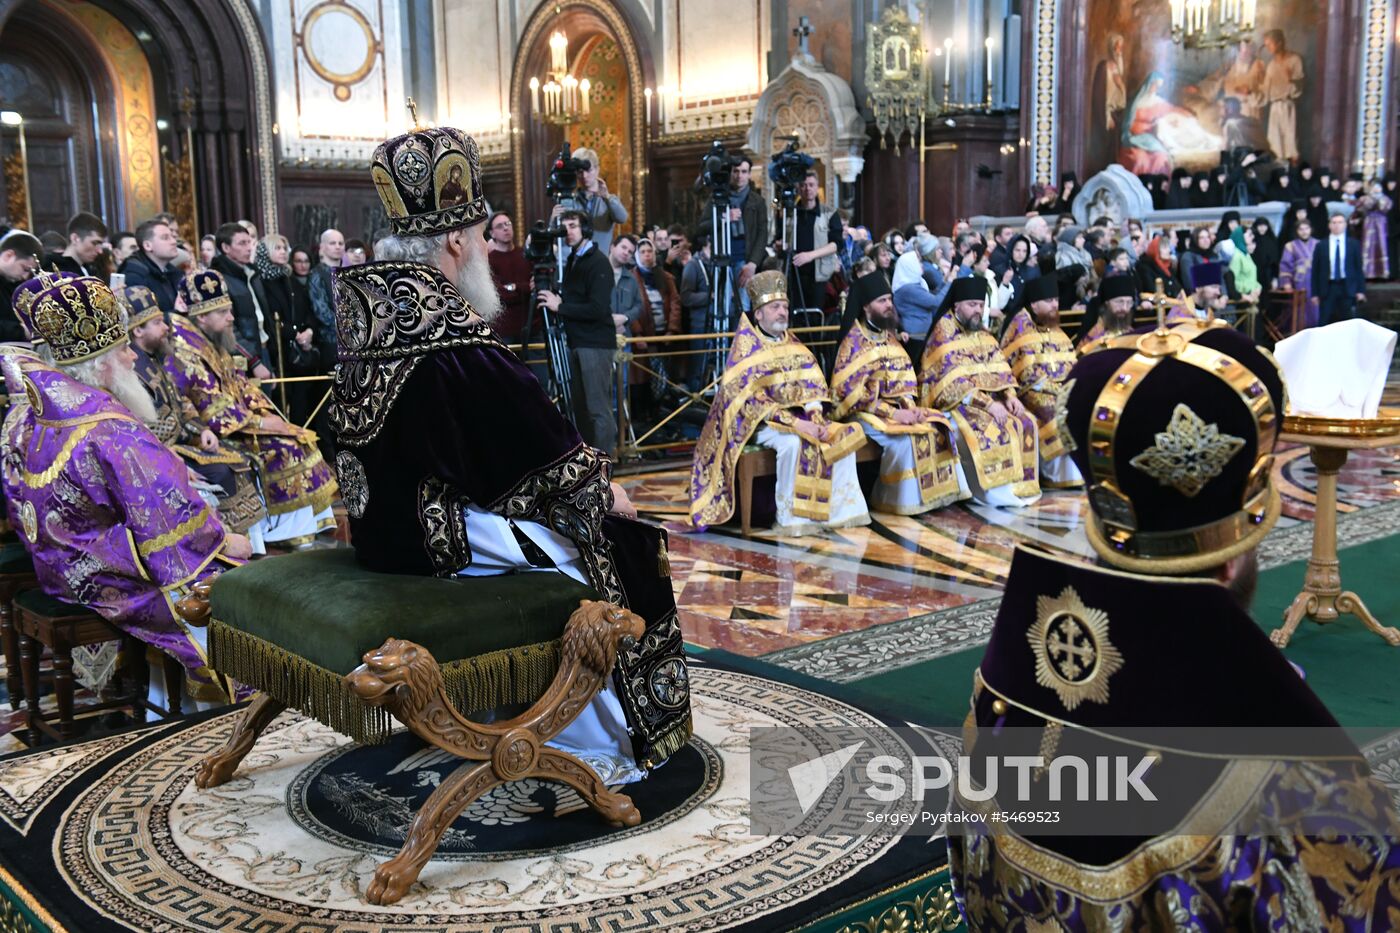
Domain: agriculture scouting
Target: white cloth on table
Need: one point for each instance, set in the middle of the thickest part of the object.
(1337, 371)
(599, 733)
(847, 503)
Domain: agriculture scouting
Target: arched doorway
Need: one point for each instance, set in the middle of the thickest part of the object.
(602, 49)
(209, 52)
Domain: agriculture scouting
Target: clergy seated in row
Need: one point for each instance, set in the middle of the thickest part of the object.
(1261, 812)
(221, 474)
(1117, 299)
(105, 509)
(1207, 301)
(774, 393)
(205, 366)
(873, 383)
(455, 463)
(965, 376)
(1041, 356)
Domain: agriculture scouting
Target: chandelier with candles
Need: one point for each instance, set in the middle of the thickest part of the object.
(1211, 24)
(562, 99)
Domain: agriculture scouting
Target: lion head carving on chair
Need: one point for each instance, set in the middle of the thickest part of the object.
(398, 667)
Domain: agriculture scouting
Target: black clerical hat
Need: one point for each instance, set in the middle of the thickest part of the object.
(968, 288)
(1041, 288)
(1118, 286)
(866, 289)
(1175, 435)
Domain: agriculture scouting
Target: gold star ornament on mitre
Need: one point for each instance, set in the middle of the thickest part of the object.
(1188, 454)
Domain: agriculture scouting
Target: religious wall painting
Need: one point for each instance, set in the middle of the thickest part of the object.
(1155, 106)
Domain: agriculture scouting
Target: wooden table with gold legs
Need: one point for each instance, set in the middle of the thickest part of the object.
(1323, 600)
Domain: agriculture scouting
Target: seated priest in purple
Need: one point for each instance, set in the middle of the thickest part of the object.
(1040, 355)
(1247, 806)
(207, 368)
(219, 473)
(107, 510)
(873, 384)
(454, 462)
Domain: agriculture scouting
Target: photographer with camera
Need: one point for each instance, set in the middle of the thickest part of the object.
(585, 305)
(817, 235)
(748, 224)
(591, 197)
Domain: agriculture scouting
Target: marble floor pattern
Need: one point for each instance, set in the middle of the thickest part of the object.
(766, 593)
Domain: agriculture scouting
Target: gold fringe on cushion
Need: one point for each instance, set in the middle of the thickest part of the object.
(499, 678)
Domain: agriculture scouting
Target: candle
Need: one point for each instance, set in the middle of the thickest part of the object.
(535, 95)
(988, 45)
(558, 52)
(647, 94)
(661, 108)
(947, 61)
(585, 87)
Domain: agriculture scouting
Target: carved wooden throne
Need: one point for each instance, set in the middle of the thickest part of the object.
(277, 625)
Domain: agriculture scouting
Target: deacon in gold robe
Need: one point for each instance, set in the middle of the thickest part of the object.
(1041, 357)
(874, 384)
(1117, 298)
(297, 485)
(965, 376)
(774, 393)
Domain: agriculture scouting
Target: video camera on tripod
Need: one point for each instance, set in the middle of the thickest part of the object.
(786, 170)
(544, 246)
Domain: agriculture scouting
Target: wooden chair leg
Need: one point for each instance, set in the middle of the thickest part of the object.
(14, 680)
(174, 673)
(29, 651)
(219, 767)
(63, 685)
(393, 878)
(556, 765)
(745, 490)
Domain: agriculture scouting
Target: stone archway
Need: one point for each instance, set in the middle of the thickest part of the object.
(589, 25)
(213, 49)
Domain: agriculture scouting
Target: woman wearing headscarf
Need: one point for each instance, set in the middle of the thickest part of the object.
(883, 257)
(1280, 186)
(915, 304)
(1201, 193)
(1244, 274)
(1200, 249)
(1158, 261)
(1267, 251)
(1069, 189)
(1023, 269)
(290, 324)
(1044, 200)
(1179, 190)
(1229, 223)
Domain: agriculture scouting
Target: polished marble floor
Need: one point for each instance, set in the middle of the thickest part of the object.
(766, 593)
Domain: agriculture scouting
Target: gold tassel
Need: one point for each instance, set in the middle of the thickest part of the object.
(1049, 742)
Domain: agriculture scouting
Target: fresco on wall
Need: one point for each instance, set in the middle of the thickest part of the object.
(608, 126)
(1155, 106)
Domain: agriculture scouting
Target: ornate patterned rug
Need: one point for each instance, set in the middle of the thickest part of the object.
(112, 834)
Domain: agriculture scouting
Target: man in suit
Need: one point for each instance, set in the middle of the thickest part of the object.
(1338, 283)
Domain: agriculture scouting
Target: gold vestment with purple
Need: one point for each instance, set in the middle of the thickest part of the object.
(107, 512)
(961, 371)
(766, 380)
(292, 473)
(1040, 359)
(872, 379)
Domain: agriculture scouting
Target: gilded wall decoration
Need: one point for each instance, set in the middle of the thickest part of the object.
(1045, 114)
(1372, 138)
(133, 122)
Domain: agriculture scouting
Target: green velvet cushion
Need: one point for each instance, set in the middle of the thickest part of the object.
(41, 603)
(323, 607)
(15, 559)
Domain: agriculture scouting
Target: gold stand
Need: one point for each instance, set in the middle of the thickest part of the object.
(1323, 600)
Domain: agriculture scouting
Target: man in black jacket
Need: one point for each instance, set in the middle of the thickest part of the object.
(586, 307)
(235, 248)
(150, 265)
(1338, 281)
(748, 227)
(19, 257)
(87, 238)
